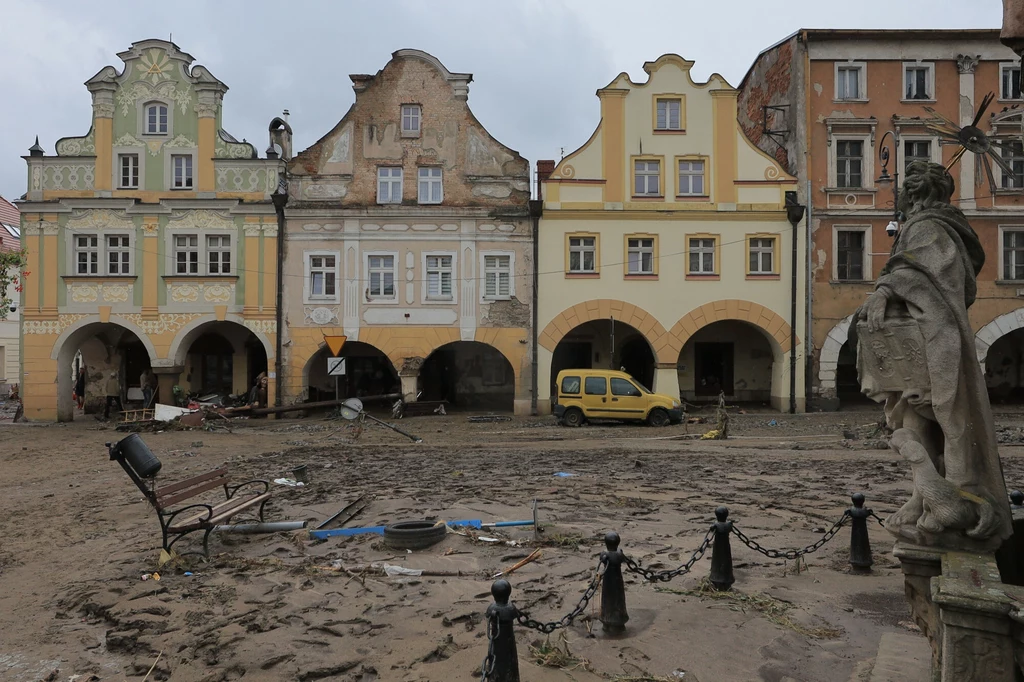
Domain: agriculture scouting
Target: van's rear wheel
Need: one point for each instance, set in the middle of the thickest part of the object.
(658, 417)
(574, 417)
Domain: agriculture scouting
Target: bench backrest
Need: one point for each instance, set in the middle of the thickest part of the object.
(170, 495)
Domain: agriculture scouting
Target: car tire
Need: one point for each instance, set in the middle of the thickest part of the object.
(414, 534)
(658, 417)
(573, 417)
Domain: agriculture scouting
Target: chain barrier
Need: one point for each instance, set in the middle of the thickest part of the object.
(526, 621)
(792, 553)
(487, 669)
(652, 576)
(878, 518)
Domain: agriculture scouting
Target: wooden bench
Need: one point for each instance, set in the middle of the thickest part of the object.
(178, 521)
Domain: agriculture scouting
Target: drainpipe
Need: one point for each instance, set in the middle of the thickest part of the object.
(280, 199)
(809, 309)
(794, 212)
(536, 207)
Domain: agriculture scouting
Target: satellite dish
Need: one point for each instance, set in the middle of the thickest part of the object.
(351, 408)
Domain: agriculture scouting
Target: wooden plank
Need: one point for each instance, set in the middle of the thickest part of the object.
(224, 510)
(298, 407)
(189, 482)
(251, 502)
(189, 494)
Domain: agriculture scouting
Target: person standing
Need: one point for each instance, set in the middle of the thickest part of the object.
(146, 382)
(113, 394)
(80, 388)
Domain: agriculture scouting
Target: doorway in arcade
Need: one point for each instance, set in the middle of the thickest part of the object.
(605, 344)
(728, 356)
(222, 358)
(367, 372)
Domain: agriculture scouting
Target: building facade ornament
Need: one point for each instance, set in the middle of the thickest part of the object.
(966, 63)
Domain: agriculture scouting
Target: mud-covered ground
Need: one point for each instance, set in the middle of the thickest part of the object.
(76, 539)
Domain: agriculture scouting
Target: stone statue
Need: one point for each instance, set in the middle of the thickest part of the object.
(915, 353)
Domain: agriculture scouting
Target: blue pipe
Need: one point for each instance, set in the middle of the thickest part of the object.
(379, 530)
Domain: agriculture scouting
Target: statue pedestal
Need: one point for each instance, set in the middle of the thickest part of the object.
(968, 614)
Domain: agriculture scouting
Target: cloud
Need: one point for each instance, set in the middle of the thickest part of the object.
(536, 63)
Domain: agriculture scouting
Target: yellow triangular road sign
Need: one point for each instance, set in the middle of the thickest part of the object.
(335, 343)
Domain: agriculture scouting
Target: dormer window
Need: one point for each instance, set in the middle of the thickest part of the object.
(156, 119)
(410, 120)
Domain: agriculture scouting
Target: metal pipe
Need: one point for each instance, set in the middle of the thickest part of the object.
(280, 200)
(256, 528)
(536, 207)
(792, 322)
(809, 309)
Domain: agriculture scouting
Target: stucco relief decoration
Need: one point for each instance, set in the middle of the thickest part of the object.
(772, 173)
(966, 63)
(76, 146)
(226, 149)
(115, 293)
(128, 140)
(252, 230)
(203, 220)
(245, 179)
(48, 228)
(167, 323)
(69, 176)
(181, 141)
(37, 178)
(341, 148)
(184, 293)
(51, 326)
(99, 293)
(84, 293)
(567, 171)
(261, 326)
(130, 95)
(217, 293)
(99, 219)
(325, 191)
(321, 315)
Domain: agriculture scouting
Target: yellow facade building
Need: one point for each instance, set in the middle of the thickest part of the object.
(152, 243)
(665, 248)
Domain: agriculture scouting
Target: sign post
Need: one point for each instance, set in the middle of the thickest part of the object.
(336, 365)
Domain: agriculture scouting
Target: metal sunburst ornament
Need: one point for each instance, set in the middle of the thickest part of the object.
(970, 138)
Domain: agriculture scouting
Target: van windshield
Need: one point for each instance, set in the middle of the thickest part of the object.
(639, 385)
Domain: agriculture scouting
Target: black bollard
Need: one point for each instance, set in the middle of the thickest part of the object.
(721, 553)
(613, 589)
(1017, 498)
(502, 658)
(860, 545)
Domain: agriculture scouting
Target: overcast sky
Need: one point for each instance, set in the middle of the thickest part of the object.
(535, 63)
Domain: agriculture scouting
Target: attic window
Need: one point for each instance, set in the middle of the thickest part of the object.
(410, 120)
(156, 119)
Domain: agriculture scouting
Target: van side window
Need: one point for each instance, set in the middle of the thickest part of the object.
(571, 385)
(596, 386)
(624, 387)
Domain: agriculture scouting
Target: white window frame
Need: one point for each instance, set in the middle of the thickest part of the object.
(867, 165)
(307, 289)
(647, 174)
(97, 250)
(121, 158)
(414, 113)
(668, 113)
(1002, 173)
(641, 250)
(935, 151)
(425, 295)
(484, 298)
(191, 158)
(380, 299)
(102, 252)
(221, 251)
(202, 249)
(434, 176)
(703, 175)
(702, 249)
(862, 81)
(143, 118)
(1003, 229)
(761, 250)
(868, 258)
(198, 250)
(391, 180)
(582, 249)
(118, 152)
(128, 248)
(929, 81)
(1003, 66)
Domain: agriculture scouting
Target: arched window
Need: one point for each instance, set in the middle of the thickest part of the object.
(156, 118)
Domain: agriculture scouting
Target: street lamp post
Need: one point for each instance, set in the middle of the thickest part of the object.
(884, 179)
(794, 213)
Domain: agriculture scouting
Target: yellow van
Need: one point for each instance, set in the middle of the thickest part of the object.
(606, 394)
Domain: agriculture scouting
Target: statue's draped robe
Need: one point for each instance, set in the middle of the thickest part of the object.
(932, 270)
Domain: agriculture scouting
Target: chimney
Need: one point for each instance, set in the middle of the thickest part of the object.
(544, 171)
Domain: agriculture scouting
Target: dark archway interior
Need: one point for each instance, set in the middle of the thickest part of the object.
(367, 372)
(732, 357)
(1004, 369)
(604, 344)
(106, 351)
(469, 375)
(847, 383)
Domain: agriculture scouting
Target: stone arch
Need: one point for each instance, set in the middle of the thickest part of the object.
(828, 359)
(994, 330)
(113, 319)
(777, 330)
(191, 331)
(666, 346)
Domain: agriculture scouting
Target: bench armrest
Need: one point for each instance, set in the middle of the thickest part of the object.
(231, 490)
(168, 517)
